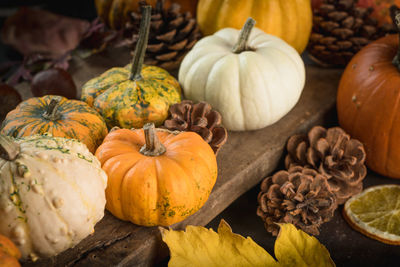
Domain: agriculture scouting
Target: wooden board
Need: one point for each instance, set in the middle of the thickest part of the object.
(246, 158)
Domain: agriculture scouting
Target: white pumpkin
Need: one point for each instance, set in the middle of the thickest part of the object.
(52, 193)
(253, 86)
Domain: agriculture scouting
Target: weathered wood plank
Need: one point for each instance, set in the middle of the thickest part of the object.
(242, 163)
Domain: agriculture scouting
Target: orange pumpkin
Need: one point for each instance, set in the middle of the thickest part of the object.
(368, 103)
(290, 20)
(381, 8)
(9, 253)
(58, 116)
(115, 13)
(156, 177)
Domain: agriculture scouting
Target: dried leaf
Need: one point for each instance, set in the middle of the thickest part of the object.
(96, 39)
(294, 247)
(198, 246)
(32, 31)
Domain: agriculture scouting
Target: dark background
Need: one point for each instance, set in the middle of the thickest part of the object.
(74, 8)
(347, 247)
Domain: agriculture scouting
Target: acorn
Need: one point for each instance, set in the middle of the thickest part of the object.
(9, 99)
(53, 81)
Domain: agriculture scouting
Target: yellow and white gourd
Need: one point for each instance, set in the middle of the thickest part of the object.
(252, 78)
(52, 193)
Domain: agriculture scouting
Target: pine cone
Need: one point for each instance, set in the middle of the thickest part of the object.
(300, 196)
(334, 154)
(172, 35)
(199, 118)
(340, 30)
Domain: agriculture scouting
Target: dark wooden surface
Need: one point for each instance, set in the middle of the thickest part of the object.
(243, 162)
(348, 247)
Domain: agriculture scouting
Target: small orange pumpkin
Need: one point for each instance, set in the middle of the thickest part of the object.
(156, 177)
(58, 116)
(9, 253)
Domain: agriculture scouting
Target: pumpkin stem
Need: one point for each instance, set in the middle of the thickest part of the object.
(9, 150)
(51, 112)
(141, 45)
(153, 146)
(241, 44)
(395, 14)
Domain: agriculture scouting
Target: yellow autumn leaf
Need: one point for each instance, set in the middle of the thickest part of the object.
(198, 246)
(294, 247)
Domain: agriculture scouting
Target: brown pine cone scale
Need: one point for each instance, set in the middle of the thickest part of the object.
(340, 30)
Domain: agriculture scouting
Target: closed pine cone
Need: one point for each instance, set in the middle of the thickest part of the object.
(172, 35)
(300, 196)
(199, 118)
(340, 30)
(334, 154)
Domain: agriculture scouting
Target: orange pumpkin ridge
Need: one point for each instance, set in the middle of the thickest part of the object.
(58, 116)
(156, 177)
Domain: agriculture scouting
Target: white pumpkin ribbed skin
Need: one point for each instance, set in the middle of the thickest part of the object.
(252, 89)
(58, 202)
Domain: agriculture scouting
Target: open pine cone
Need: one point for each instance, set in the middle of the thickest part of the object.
(172, 35)
(334, 154)
(199, 118)
(300, 196)
(340, 30)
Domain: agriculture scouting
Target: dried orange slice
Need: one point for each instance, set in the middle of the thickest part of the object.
(375, 212)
